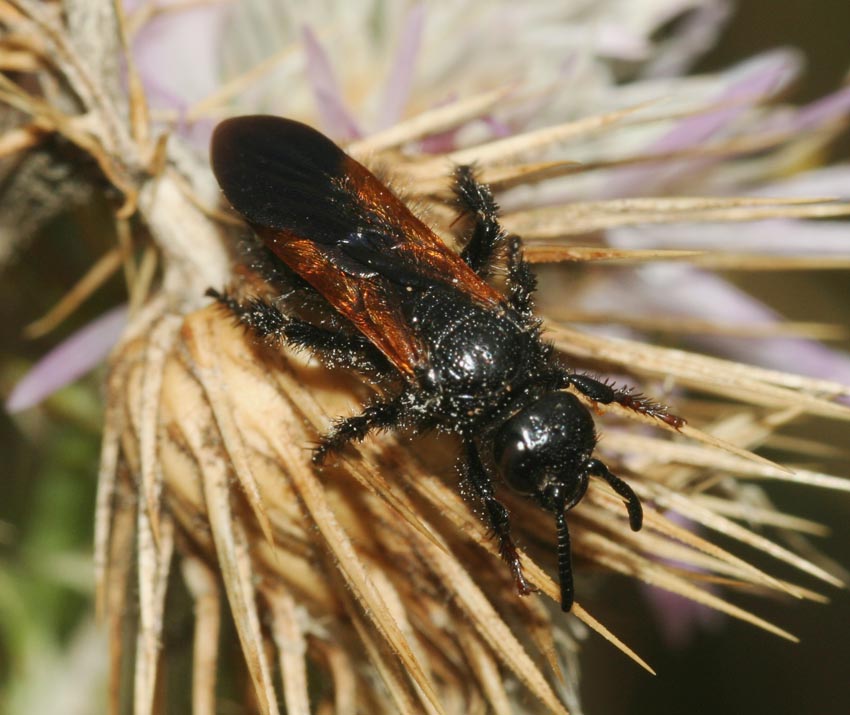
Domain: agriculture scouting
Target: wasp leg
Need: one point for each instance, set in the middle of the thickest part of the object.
(477, 200)
(497, 516)
(378, 415)
(594, 466)
(486, 237)
(334, 348)
(521, 279)
(605, 394)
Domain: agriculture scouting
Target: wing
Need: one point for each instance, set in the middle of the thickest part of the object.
(335, 224)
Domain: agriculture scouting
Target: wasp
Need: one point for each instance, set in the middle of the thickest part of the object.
(450, 351)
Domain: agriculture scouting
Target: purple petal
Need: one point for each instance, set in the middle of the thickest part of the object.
(679, 618)
(764, 78)
(695, 36)
(680, 290)
(827, 109)
(498, 128)
(401, 77)
(440, 143)
(813, 116)
(829, 181)
(176, 54)
(336, 118)
(775, 237)
(444, 142)
(71, 359)
(619, 42)
(770, 75)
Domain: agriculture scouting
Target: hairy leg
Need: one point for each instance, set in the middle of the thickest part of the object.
(334, 348)
(486, 235)
(521, 279)
(378, 415)
(496, 514)
(605, 394)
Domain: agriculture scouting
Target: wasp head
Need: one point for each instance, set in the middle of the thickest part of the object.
(544, 450)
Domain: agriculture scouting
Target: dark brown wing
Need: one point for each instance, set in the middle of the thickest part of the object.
(335, 224)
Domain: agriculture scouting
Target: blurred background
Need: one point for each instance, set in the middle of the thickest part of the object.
(49, 463)
(731, 667)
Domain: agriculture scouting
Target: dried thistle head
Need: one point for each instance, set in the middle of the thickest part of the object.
(376, 574)
(379, 559)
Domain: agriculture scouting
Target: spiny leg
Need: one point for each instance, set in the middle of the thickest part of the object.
(486, 235)
(334, 348)
(497, 516)
(378, 415)
(605, 394)
(594, 466)
(521, 279)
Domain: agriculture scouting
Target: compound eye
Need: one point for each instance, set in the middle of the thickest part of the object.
(517, 462)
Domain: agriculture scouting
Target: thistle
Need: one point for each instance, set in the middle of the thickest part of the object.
(374, 577)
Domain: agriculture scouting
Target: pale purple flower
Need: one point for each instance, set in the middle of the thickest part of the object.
(403, 67)
(335, 116)
(176, 55)
(376, 58)
(763, 78)
(356, 72)
(561, 57)
(680, 619)
(71, 359)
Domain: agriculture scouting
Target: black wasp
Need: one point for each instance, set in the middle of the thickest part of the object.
(448, 350)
